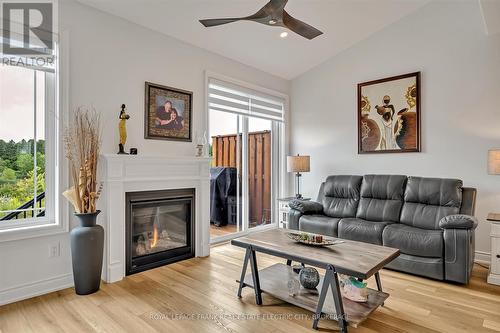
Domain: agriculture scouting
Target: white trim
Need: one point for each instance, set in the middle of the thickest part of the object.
(494, 279)
(245, 183)
(37, 288)
(8, 225)
(62, 205)
(482, 257)
(32, 231)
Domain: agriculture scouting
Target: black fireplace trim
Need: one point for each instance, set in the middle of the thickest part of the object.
(158, 259)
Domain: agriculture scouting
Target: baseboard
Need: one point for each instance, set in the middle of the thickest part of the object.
(37, 288)
(482, 257)
(494, 279)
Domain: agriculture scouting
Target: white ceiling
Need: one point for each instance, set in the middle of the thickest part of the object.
(344, 23)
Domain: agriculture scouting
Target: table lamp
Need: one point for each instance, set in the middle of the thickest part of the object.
(494, 161)
(298, 164)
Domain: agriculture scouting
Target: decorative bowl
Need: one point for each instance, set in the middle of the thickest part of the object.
(311, 239)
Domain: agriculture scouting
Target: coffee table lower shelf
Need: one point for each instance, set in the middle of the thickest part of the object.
(274, 281)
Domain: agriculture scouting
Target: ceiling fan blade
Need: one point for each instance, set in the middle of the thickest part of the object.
(214, 22)
(299, 27)
(275, 5)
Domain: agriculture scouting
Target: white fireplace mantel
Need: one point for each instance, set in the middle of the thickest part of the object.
(131, 173)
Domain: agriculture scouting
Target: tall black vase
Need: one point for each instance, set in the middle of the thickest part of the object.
(87, 245)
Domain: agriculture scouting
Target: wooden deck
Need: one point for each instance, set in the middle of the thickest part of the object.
(150, 301)
(226, 154)
(222, 231)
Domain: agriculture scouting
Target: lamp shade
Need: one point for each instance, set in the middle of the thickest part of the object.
(298, 163)
(494, 161)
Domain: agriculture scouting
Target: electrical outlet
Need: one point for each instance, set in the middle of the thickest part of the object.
(54, 250)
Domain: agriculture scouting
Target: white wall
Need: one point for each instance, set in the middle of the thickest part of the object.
(109, 61)
(460, 68)
(112, 58)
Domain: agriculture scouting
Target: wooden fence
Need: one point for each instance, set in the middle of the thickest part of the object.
(224, 154)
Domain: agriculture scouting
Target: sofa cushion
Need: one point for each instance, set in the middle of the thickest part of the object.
(414, 241)
(428, 200)
(381, 198)
(468, 201)
(362, 230)
(340, 197)
(306, 206)
(319, 224)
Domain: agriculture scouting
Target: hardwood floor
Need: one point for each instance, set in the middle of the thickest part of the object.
(146, 302)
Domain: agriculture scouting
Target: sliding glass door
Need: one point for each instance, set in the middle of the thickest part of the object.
(243, 132)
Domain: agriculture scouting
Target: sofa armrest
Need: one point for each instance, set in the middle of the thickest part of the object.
(458, 221)
(306, 207)
(293, 219)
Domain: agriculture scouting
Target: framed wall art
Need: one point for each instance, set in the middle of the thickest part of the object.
(389, 115)
(168, 113)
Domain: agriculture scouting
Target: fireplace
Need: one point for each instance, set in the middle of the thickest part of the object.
(159, 228)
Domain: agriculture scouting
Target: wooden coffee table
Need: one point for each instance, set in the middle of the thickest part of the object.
(360, 260)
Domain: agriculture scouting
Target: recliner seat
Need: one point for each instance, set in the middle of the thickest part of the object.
(429, 219)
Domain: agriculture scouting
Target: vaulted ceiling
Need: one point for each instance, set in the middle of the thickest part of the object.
(344, 23)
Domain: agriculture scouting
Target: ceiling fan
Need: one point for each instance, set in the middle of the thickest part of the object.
(272, 14)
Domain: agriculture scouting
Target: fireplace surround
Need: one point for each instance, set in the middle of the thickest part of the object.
(122, 174)
(159, 228)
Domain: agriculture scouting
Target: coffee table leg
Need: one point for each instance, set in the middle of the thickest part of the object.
(244, 271)
(379, 283)
(377, 279)
(322, 296)
(339, 306)
(255, 277)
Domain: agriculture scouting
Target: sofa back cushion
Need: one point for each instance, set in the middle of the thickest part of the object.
(468, 201)
(381, 198)
(428, 200)
(340, 196)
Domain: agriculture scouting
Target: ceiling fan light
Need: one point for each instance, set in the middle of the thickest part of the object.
(284, 34)
(272, 21)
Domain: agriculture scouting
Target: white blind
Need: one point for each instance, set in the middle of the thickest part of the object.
(229, 97)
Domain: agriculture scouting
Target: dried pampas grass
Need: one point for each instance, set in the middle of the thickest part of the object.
(82, 141)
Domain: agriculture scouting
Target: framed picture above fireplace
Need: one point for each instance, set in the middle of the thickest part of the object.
(168, 113)
(389, 115)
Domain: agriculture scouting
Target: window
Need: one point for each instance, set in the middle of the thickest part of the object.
(28, 143)
(245, 128)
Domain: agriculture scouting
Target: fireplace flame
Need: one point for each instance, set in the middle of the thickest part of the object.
(155, 237)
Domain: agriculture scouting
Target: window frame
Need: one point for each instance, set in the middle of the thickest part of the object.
(56, 219)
